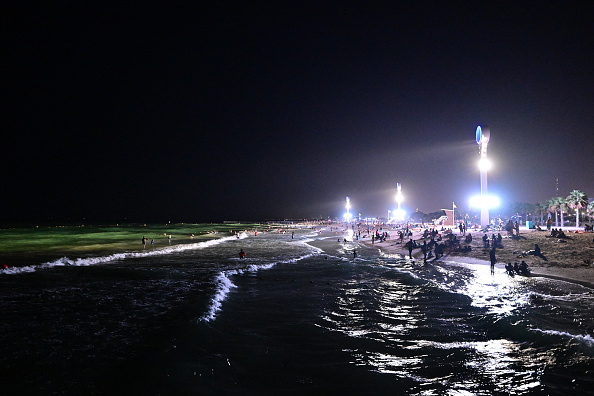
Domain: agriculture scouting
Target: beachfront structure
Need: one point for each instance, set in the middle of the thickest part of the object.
(483, 135)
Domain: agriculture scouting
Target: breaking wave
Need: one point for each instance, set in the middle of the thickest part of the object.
(88, 261)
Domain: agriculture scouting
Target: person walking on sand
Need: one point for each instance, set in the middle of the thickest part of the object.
(493, 260)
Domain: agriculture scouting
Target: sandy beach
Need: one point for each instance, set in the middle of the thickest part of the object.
(570, 259)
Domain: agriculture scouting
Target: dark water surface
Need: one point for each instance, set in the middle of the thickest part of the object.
(296, 316)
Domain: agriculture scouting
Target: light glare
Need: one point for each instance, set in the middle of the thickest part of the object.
(399, 214)
(484, 164)
(487, 201)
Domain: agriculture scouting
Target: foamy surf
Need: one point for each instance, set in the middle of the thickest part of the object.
(224, 284)
(88, 261)
(582, 338)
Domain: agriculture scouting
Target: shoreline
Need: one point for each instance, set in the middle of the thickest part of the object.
(570, 260)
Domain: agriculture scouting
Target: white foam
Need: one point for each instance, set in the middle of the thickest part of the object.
(583, 338)
(87, 261)
(224, 284)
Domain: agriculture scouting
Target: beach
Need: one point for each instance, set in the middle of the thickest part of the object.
(569, 258)
(92, 311)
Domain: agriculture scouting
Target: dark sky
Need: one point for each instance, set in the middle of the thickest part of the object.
(241, 111)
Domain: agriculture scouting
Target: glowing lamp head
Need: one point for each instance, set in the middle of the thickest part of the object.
(485, 164)
(482, 135)
(487, 201)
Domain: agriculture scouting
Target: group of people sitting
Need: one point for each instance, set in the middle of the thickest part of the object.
(454, 244)
(380, 237)
(494, 241)
(520, 269)
(557, 233)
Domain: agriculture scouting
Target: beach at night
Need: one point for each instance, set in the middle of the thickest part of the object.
(299, 314)
(190, 190)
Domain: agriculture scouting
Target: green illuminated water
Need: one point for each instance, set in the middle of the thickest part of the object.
(29, 245)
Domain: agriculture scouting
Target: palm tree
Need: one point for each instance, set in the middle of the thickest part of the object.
(541, 208)
(555, 205)
(562, 208)
(544, 209)
(577, 200)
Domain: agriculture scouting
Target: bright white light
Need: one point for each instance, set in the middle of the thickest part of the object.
(484, 164)
(399, 214)
(487, 201)
(348, 216)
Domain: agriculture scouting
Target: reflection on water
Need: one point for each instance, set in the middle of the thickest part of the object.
(455, 329)
(500, 294)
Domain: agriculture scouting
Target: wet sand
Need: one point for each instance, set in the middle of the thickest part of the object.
(569, 259)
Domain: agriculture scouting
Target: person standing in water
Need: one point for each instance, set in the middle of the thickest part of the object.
(493, 260)
(410, 245)
(241, 254)
(143, 241)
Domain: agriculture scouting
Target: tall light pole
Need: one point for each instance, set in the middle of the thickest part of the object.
(348, 207)
(399, 199)
(483, 135)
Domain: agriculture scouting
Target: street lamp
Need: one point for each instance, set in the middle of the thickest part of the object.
(399, 199)
(347, 215)
(483, 135)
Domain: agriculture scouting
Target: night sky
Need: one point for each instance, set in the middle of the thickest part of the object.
(241, 111)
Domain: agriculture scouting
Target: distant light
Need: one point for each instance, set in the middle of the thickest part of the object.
(348, 215)
(399, 214)
(488, 201)
(485, 164)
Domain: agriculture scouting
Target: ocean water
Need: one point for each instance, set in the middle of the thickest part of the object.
(89, 311)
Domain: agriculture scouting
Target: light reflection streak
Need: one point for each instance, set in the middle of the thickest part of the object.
(500, 293)
(395, 318)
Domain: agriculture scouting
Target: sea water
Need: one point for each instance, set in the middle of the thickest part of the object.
(299, 314)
